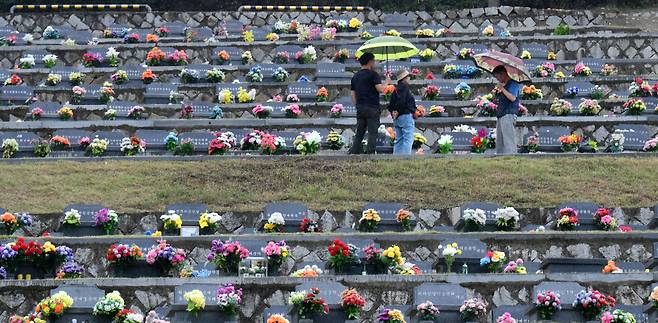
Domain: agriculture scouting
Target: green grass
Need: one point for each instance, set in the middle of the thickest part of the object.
(248, 184)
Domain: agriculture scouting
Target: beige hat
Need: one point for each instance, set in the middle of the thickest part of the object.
(402, 74)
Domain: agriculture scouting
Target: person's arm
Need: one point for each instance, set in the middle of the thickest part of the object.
(509, 95)
(353, 97)
(378, 83)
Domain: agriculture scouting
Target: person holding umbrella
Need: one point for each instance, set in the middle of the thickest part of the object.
(402, 108)
(508, 107)
(365, 88)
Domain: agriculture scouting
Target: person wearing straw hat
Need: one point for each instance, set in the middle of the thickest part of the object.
(366, 85)
(402, 108)
(508, 108)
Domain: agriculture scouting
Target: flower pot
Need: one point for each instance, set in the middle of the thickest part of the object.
(81, 231)
(379, 269)
(207, 231)
(135, 270)
(175, 232)
(273, 269)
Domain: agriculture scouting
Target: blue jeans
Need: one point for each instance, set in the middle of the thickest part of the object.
(404, 134)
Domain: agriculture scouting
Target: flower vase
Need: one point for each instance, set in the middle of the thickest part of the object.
(207, 231)
(449, 266)
(273, 269)
(376, 269)
(171, 232)
(470, 226)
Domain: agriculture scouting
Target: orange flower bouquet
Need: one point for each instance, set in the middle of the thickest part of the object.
(148, 76)
(224, 57)
(388, 91)
(322, 95)
(570, 142)
(611, 268)
(59, 143)
(155, 57)
(54, 306)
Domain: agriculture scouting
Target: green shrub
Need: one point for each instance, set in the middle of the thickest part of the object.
(561, 30)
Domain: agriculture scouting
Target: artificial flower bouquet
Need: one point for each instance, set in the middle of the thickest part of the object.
(472, 309)
(388, 92)
(404, 218)
(131, 146)
(611, 268)
(272, 144)
(616, 144)
(308, 304)
(222, 143)
(65, 113)
(306, 56)
(560, 107)
(352, 302)
(474, 219)
(107, 220)
(136, 112)
(9, 148)
(506, 318)
(308, 143)
(245, 96)
(335, 141)
(588, 107)
(307, 272)
(53, 306)
(119, 77)
(451, 71)
(71, 218)
(59, 143)
(341, 255)
(309, 225)
(226, 255)
(531, 93)
(465, 53)
(13, 80)
(653, 297)
(593, 303)
(430, 92)
(177, 58)
(13, 222)
(390, 316)
(215, 75)
(165, 256)
(436, 111)
(427, 311)
(110, 114)
(196, 301)
(651, 145)
(262, 111)
(547, 303)
(123, 254)
(155, 57)
(97, 147)
(209, 221)
(582, 70)
(374, 260)
(526, 55)
(275, 223)
(618, 316)
(480, 141)
(450, 251)
(567, 220)
(49, 61)
(129, 316)
(276, 253)
(425, 33)
(462, 91)
(342, 55)
(322, 95)
(544, 70)
(107, 93)
(506, 219)
(426, 54)
(634, 106)
(604, 220)
(27, 62)
(255, 74)
(292, 111)
(53, 79)
(600, 92)
(515, 267)
(608, 70)
(354, 24)
(280, 74)
(369, 220)
(572, 92)
(277, 318)
(172, 221)
(570, 143)
(109, 305)
(31, 318)
(493, 261)
(229, 299)
(486, 107)
(419, 141)
(444, 144)
(188, 76)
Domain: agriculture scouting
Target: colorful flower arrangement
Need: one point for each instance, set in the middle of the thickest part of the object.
(465, 53)
(322, 95)
(171, 221)
(436, 111)
(71, 217)
(224, 57)
(13, 222)
(262, 111)
(506, 318)
(222, 143)
(107, 220)
(308, 143)
(486, 107)
(354, 24)
(651, 145)
(53, 79)
(32, 318)
(155, 57)
(276, 253)
(128, 316)
(112, 57)
(9, 148)
(53, 306)
(427, 311)
(493, 261)
(131, 38)
(49, 61)
(272, 37)
(526, 55)
(341, 255)
(618, 316)
(531, 93)
(109, 305)
(275, 223)
(196, 301)
(131, 146)
(341, 55)
(248, 36)
(444, 144)
(474, 219)
(136, 112)
(229, 299)
(611, 268)
(65, 113)
(570, 142)
(472, 309)
(209, 221)
(600, 92)
(593, 303)
(277, 318)
(608, 70)
(227, 255)
(107, 93)
(352, 302)
(272, 145)
(97, 147)
(309, 225)
(547, 303)
(215, 75)
(188, 76)
(605, 220)
(582, 70)
(506, 219)
(634, 106)
(110, 114)
(306, 56)
(151, 38)
(292, 111)
(78, 93)
(462, 91)
(515, 267)
(307, 272)
(123, 254)
(246, 57)
(369, 220)
(13, 80)
(653, 297)
(177, 57)
(255, 74)
(404, 218)
(390, 316)
(430, 92)
(27, 62)
(425, 33)
(309, 304)
(567, 220)
(165, 256)
(588, 107)
(335, 141)
(544, 70)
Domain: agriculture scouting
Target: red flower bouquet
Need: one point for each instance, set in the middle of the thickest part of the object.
(352, 302)
(341, 255)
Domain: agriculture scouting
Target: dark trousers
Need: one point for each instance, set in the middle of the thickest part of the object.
(367, 118)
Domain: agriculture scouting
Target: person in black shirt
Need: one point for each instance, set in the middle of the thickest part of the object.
(402, 108)
(366, 86)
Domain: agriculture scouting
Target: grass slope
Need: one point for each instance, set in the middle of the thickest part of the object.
(247, 185)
